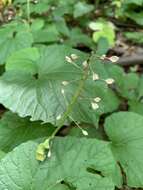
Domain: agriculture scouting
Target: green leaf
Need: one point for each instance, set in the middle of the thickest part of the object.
(104, 69)
(102, 47)
(60, 187)
(136, 106)
(37, 24)
(125, 130)
(24, 61)
(77, 37)
(2, 154)
(136, 37)
(14, 36)
(137, 2)
(128, 85)
(46, 35)
(15, 130)
(33, 86)
(108, 70)
(62, 27)
(36, 83)
(35, 8)
(103, 29)
(83, 110)
(39, 8)
(70, 161)
(82, 8)
(135, 16)
(140, 88)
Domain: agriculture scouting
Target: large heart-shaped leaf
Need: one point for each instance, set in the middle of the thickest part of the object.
(14, 37)
(85, 164)
(125, 130)
(15, 130)
(34, 83)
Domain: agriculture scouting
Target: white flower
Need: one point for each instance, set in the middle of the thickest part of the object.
(9, 17)
(85, 64)
(74, 56)
(65, 83)
(94, 105)
(62, 91)
(68, 59)
(58, 117)
(61, 40)
(35, 1)
(110, 81)
(53, 8)
(49, 154)
(97, 99)
(84, 132)
(95, 76)
(103, 57)
(114, 59)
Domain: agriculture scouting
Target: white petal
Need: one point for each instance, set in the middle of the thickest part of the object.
(95, 76)
(68, 59)
(103, 57)
(84, 132)
(74, 56)
(114, 59)
(94, 105)
(97, 99)
(49, 154)
(62, 91)
(110, 81)
(85, 64)
(65, 83)
(58, 117)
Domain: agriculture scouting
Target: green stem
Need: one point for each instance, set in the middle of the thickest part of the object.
(47, 142)
(28, 11)
(97, 4)
(72, 103)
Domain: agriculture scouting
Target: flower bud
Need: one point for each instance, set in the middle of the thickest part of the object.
(110, 81)
(65, 83)
(94, 105)
(114, 59)
(97, 99)
(68, 59)
(95, 76)
(74, 56)
(84, 132)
